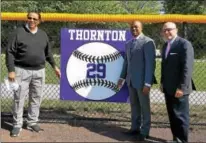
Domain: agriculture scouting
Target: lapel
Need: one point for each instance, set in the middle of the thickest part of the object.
(174, 44)
(137, 44)
(140, 41)
(163, 51)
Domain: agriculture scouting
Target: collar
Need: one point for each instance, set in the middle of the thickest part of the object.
(172, 40)
(33, 32)
(138, 36)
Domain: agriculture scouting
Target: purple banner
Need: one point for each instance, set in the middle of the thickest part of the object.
(91, 64)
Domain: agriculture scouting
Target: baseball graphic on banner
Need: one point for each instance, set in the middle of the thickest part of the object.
(94, 69)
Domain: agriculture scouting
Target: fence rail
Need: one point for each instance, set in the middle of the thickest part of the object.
(109, 17)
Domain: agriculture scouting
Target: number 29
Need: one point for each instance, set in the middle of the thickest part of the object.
(96, 70)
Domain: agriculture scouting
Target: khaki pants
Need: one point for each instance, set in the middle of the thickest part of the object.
(31, 83)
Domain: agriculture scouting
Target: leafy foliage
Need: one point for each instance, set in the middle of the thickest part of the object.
(109, 7)
(79, 7)
(196, 33)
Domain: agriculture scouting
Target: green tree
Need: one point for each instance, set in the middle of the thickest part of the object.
(184, 7)
(78, 7)
(196, 33)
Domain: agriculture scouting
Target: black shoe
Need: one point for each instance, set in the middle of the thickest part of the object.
(35, 128)
(15, 132)
(132, 132)
(142, 137)
(171, 141)
(175, 140)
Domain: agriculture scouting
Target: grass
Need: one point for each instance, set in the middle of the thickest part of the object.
(118, 111)
(199, 74)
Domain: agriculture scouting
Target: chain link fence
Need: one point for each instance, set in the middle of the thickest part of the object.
(54, 109)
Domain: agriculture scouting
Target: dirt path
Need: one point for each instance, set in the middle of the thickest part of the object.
(87, 132)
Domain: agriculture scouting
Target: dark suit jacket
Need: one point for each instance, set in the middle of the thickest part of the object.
(177, 68)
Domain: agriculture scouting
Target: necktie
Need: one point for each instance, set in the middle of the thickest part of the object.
(132, 47)
(133, 42)
(168, 49)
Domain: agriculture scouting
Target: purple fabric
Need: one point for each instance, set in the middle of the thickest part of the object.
(67, 47)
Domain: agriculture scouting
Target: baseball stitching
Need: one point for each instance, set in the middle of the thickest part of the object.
(93, 82)
(96, 59)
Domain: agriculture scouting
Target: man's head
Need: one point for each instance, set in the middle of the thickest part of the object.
(169, 30)
(136, 28)
(33, 19)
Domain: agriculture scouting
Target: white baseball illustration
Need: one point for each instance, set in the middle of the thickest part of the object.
(94, 69)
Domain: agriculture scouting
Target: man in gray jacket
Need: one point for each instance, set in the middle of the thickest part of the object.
(138, 70)
(27, 51)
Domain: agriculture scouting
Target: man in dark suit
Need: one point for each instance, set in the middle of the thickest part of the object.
(176, 80)
(138, 70)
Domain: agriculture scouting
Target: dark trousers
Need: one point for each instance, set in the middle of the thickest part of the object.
(178, 112)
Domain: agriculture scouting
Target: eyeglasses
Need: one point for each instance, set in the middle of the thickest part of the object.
(30, 18)
(168, 29)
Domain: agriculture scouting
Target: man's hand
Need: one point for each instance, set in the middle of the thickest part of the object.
(11, 76)
(120, 83)
(179, 93)
(146, 90)
(57, 72)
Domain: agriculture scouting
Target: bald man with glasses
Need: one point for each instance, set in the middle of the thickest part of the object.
(176, 80)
